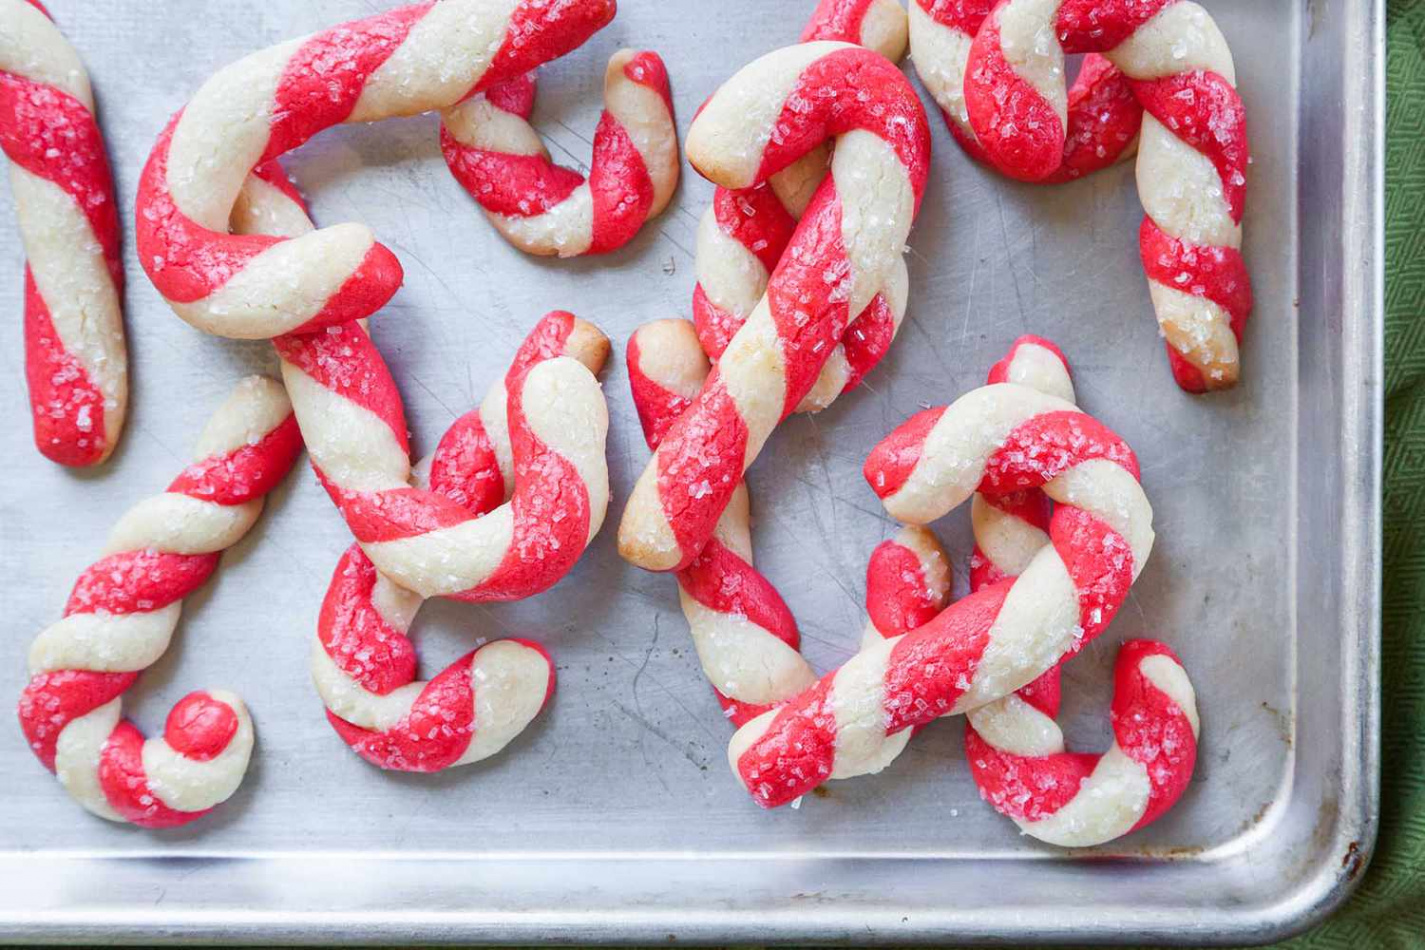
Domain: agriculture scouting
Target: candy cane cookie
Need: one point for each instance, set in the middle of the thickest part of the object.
(76, 365)
(363, 663)
(544, 208)
(354, 424)
(743, 233)
(121, 616)
(353, 421)
(746, 637)
(997, 439)
(844, 251)
(1015, 749)
(1192, 158)
(1076, 800)
(1102, 116)
(1008, 529)
(403, 62)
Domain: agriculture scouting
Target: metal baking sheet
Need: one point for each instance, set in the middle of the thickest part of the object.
(615, 817)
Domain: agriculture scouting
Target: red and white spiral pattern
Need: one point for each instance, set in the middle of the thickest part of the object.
(907, 583)
(878, 25)
(544, 208)
(1010, 528)
(997, 439)
(76, 365)
(845, 250)
(354, 425)
(1102, 115)
(403, 62)
(743, 233)
(1073, 799)
(1014, 746)
(120, 618)
(1192, 156)
(363, 663)
(746, 637)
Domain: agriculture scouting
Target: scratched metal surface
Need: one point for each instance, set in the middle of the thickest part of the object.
(615, 817)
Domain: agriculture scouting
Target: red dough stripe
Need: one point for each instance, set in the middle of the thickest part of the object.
(1085, 26)
(1216, 273)
(1104, 120)
(246, 473)
(324, 79)
(725, 583)
(125, 783)
(756, 219)
(658, 408)
(540, 31)
(712, 428)
(897, 595)
(465, 469)
(344, 360)
(805, 283)
(515, 96)
(874, 97)
(867, 341)
(509, 184)
(800, 741)
(620, 185)
(432, 736)
(396, 513)
(1044, 447)
(893, 459)
(1029, 788)
(51, 701)
(138, 581)
(62, 395)
(355, 635)
(200, 727)
(1203, 110)
(964, 16)
(647, 69)
(1015, 124)
(1099, 561)
(932, 666)
(836, 19)
(53, 136)
(1151, 728)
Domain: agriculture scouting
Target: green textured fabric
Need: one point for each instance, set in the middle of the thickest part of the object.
(1389, 908)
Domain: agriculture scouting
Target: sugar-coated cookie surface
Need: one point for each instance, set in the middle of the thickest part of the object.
(845, 250)
(403, 62)
(544, 208)
(1192, 153)
(998, 440)
(76, 365)
(122, 614)
(745, 636)
(530, 509)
